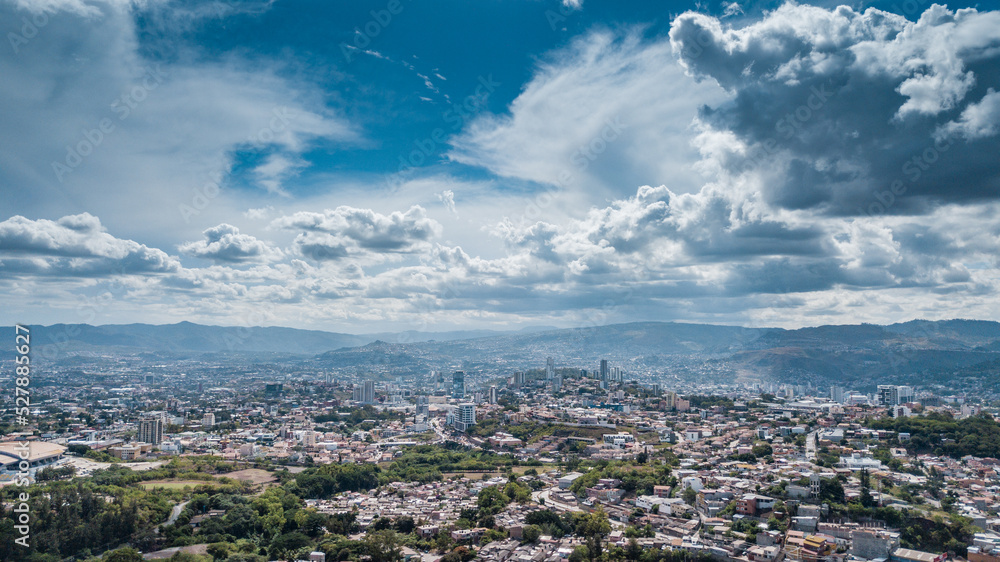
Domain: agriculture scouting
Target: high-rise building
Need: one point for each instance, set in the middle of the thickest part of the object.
(208, 420)
(550, 369)
(671, 399)
(837, 394)
(466, 417)
(151, 431)
(904, 394)
(493, 394)
(887, 395)
(359, 393)
(368, 396)
(557, 383)
(604, 370)
(458, 385)
(423, 407)
(518, 379)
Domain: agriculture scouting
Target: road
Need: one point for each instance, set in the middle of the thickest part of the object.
(811, 445)
(174, 514)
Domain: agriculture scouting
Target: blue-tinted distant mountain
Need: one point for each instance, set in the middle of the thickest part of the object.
(912, 352)
(186, 338)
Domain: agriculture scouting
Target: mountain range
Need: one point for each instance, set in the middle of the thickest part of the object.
(933, 352)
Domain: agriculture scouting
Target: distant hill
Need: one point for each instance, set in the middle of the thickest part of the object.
(60, 340)
(915, 352)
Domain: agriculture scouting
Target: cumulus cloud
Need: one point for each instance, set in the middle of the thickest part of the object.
(978, 120)
(833, 109)
(347, 231)
(75, 245)
(224, 243)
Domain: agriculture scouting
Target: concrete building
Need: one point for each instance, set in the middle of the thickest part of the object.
(466, 417)
(151, 431)
(872, 544)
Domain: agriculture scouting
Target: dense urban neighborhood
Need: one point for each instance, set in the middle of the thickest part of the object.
(243, 463)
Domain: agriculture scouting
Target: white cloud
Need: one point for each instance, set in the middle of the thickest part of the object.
(447, 197)
(170, 127)
(349, 231)
(607, 112)
(224, 243)
(73, 246)
(978, 120)
(841, 111)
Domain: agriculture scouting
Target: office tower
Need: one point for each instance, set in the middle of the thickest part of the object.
(518, 379)
(151, 431)
(904, 394)
(604, 373)
(493, 394)
(458, 385)
(466, 417)
(837, 394)
(208, 420)
(887, 395)
(423, 408)
(369, 393)
(359, 393)
(557, 383)
(550, 369)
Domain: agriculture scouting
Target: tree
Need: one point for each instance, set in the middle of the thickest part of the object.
(633, 551)
(123, 554)
(405, 524)
(383, 546)
(831, 491)
(219, 550)
(866, 496)
(579, 554)
(762, 449)
(286, 544)
(690, 496)
(594, 527)
(530, 533)
(492, 500)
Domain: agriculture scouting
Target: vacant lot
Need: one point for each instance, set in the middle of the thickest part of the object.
(252, 475)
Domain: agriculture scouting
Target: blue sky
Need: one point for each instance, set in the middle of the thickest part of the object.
(366, 166)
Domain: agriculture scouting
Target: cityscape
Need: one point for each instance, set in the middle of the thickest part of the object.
(512, 281)
(552, 460)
